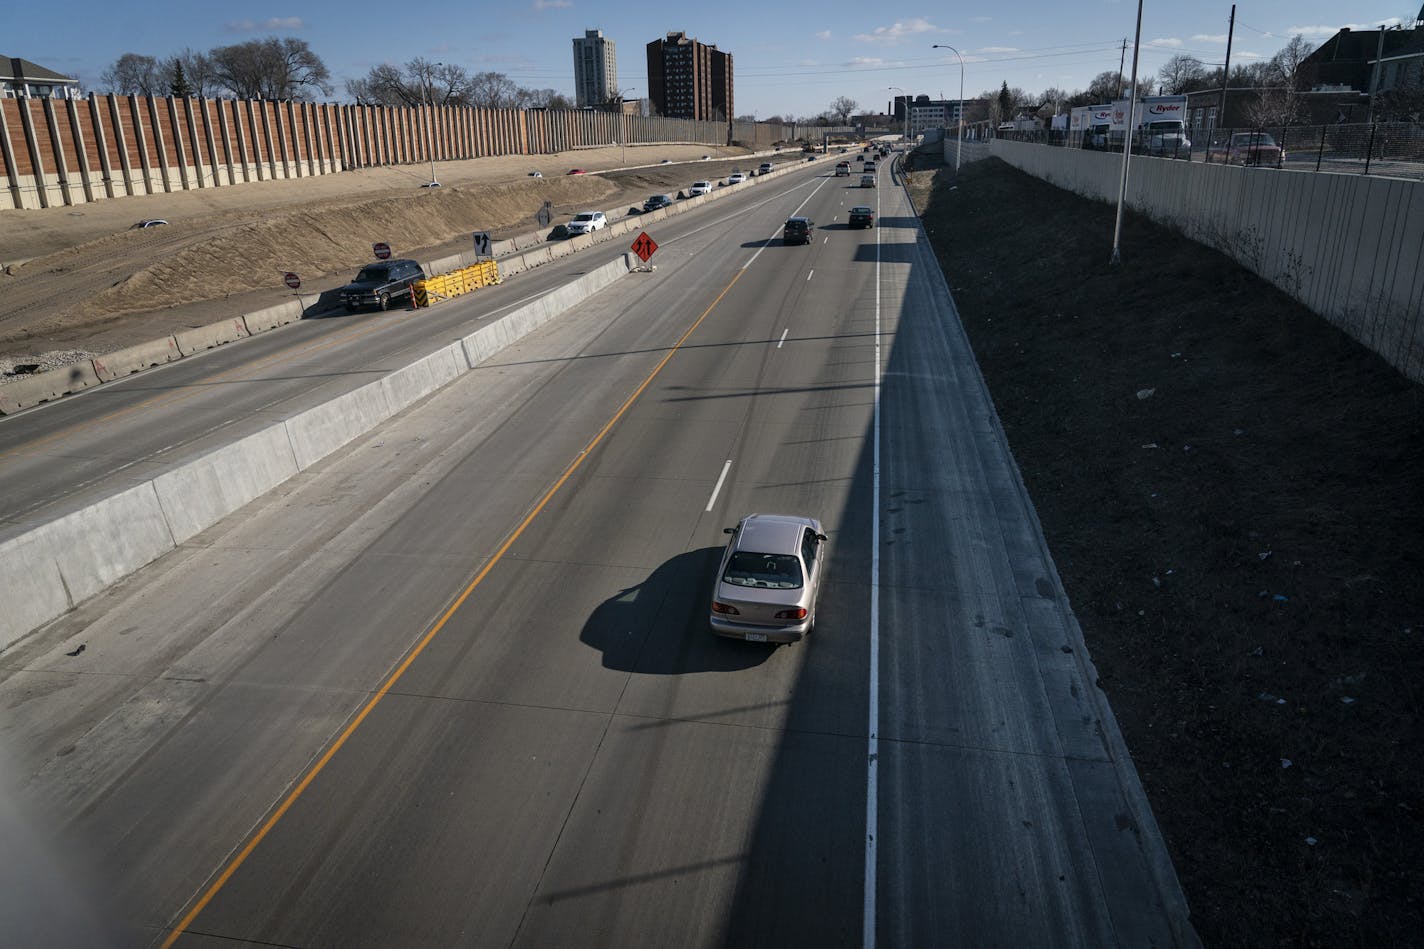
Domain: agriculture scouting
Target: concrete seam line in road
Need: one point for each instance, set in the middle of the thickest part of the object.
(872, 751)
(292, 796)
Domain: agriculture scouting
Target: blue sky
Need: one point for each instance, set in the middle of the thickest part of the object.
(789, 59)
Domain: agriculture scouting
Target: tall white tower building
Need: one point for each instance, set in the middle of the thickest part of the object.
(595, 69)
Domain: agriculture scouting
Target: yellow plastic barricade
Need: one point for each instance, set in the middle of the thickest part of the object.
(457, 282)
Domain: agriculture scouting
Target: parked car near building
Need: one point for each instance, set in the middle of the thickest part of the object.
(1247, 148)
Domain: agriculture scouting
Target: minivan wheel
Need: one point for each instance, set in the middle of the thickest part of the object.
(384, 301)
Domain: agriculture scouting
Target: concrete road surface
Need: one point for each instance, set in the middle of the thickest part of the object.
(454, 685)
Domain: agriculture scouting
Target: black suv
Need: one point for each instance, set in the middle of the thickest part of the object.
(798, 230)
(380, 283)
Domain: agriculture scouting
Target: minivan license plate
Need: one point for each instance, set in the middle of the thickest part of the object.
(756, 637)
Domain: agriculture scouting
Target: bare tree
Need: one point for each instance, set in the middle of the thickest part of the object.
(1104, 88)
(553, 99)
(1182, 73)
(493, 90)
(198, 72)
(383, 85)
(1273, 106)
(842, 107)
(134, 74)
(1284, 67)
(271, 68)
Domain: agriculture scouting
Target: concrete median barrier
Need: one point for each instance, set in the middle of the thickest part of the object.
(47, 386)
(202, 492)
(214, 334)
(411, 383)
(132, 359)
(50, 569)
(321, 430)
(260, 321)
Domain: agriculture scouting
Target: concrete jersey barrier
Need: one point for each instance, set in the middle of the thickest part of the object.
(49, 568)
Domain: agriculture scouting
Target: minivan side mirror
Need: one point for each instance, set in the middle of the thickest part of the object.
(729, 530)
(822, 538)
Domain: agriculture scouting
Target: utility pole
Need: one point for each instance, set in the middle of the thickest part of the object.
(1226, 70)
(1127, 144)
(1120, 61)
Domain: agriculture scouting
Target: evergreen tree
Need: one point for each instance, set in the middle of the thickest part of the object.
(178, 87)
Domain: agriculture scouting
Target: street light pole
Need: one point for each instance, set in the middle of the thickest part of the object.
(430, 123)
(906, 96)
(623, 129)
(959, 119)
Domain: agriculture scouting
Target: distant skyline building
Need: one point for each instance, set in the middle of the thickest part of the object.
(595, 69)
(689, 80)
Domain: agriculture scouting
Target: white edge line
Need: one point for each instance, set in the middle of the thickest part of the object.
(872, 751)
(783, 337)
(718, 487)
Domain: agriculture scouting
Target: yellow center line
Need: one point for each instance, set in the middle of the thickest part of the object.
(316, 769)
(192, 390)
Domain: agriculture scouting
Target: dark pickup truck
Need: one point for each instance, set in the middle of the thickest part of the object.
(378, 284)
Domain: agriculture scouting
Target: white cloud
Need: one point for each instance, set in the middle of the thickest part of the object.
(1209, 38)
(898, 31)
(823, 35)
(553, 4)
(270, 25)
(981, 19)
(1171, 41)
(1328, 31)
(999, 49)
(865, 61)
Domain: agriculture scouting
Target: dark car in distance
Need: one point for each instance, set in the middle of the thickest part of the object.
(862, 216)
(379, 283)
(797, 230)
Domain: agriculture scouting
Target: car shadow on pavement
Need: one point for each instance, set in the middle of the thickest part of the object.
(659, 626)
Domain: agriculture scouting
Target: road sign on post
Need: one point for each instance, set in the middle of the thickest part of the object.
(292, 280)
(482, 243)
(381, 249)
(644, 246)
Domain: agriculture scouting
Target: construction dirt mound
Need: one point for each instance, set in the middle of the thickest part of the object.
(94, 284)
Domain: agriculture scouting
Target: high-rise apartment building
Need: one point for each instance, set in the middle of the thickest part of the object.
(689, 80)
(595, 69)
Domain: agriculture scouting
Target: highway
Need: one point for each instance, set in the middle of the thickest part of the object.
(453, 685)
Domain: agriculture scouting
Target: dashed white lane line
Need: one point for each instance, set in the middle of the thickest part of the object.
(783, 337)
(718, 487)
(808, 275)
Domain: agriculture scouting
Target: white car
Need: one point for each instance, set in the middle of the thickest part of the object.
(764, 168)
(736, 178)
(586, 222)
(699, 188)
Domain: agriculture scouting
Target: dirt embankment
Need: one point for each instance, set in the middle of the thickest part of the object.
(1233, 491)
(80, 280)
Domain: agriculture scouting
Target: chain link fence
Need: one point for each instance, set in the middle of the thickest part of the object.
(1392, 149)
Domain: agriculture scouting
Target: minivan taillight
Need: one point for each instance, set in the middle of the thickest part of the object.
(727, 609)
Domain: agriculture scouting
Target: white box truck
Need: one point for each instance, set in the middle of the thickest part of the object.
(1088, 125)
(1158, 125)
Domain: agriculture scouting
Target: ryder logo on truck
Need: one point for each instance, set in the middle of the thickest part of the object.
(1164, 108)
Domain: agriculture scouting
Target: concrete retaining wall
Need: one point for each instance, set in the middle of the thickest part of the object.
(50, 568)
(1350, 247)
